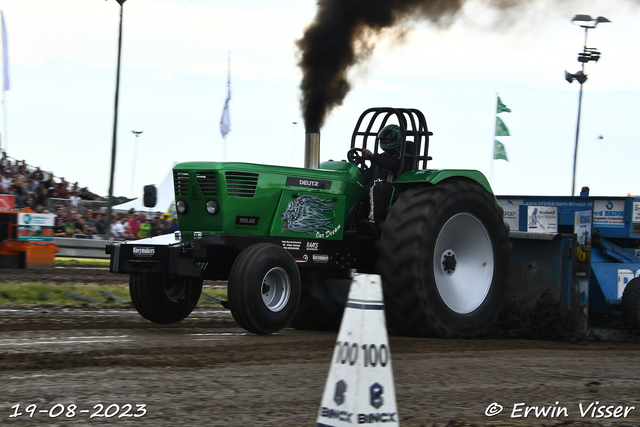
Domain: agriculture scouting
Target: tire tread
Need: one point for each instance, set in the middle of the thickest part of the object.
(408, 228)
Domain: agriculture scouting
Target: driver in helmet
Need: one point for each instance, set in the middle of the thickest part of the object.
(385, 164)
(384, 168)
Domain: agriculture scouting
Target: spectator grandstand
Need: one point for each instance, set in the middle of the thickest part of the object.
(79, 212)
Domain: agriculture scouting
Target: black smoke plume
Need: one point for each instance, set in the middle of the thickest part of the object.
(339, 38)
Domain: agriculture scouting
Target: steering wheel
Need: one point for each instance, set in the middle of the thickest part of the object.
(355, 156)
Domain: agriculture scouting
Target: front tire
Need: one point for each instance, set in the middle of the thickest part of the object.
(164, 299)
(263, 288)
(444, 260)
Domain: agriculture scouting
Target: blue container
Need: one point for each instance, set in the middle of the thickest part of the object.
(614, 251)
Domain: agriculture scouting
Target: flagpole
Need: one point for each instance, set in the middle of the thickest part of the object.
(224, 149)
(5, 87)
(225, 122)
(5, 139)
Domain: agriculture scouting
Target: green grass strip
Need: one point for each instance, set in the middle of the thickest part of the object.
(32, 293)
(84, 262)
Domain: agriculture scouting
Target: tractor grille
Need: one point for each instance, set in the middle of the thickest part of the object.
(207, 183)
(181, 183)
(241, 184)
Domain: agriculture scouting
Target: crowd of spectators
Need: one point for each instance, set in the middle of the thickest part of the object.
(72, 224)
(124, 226)
(33, 187)
(137, 225)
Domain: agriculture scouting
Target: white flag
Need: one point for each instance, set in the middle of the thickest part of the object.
(225, 121)
(5, 54)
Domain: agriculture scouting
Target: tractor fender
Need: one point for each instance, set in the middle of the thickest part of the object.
(434, 176)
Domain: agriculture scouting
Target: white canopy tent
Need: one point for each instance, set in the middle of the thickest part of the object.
(164, 200)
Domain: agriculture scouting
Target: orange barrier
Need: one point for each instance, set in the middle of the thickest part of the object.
(18, 253)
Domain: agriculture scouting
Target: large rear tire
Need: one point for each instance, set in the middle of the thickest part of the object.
(631, 305)
(163, 299)
(263, 288)
(444, 260)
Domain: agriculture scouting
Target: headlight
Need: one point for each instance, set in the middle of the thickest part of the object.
(181, 207)
(212, 207)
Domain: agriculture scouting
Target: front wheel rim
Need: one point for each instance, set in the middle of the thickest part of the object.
(463, 263)
(276, 289)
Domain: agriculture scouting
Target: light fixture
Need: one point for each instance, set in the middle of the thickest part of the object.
(182, 207)
(579, 76)
(586, 21)
(212, 207)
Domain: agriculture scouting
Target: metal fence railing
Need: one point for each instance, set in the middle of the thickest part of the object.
(80, 206)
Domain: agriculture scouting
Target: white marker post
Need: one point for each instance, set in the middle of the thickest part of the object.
(360, 388)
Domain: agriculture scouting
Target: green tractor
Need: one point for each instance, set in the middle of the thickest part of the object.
(288, 240)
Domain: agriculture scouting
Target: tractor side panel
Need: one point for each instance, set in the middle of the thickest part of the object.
(265, 200)
(250, 199)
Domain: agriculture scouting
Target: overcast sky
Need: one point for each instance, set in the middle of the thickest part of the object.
(173, 85)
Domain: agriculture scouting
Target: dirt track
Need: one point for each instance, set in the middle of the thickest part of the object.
(62, 275)
(207, 371)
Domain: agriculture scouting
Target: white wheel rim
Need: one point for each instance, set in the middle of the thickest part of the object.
(276, 289)
(463, 263)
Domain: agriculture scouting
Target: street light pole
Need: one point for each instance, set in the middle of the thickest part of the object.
(115, 128)
(575, 148)
(587, 55)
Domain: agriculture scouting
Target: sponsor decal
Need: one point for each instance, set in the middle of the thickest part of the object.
(291, 245)
(143, 251)
(312, 246)
(35, 227)
(608, 213)
(308, 183)
(320, 258)
(336, 414)
(636, 212)
(542, 219)
(36, 219)
(305, 258)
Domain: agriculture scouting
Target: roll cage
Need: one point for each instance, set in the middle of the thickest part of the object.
(414, 130)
